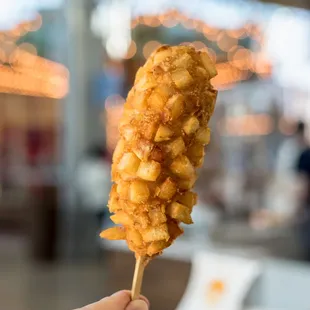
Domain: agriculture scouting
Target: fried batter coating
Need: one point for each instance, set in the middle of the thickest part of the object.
(163, 131)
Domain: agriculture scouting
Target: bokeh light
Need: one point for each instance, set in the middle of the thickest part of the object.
(188, 23)
(242, 59)
(28, 47)
(198, 45)
(131, 50)
(36, 24)
(186, 43)
(149, 47)
(155, 22)
(147, 20)
(225, 42)
(237, 33)
(212, 34)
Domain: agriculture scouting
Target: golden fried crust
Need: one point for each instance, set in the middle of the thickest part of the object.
(163, 131)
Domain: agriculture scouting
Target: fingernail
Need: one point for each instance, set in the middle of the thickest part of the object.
(137, 305)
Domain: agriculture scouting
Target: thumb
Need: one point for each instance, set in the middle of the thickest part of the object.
(137, 305)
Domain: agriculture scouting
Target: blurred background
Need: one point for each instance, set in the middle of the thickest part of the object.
(66, 67)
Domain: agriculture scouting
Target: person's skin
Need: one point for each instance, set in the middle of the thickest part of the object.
(119, 301)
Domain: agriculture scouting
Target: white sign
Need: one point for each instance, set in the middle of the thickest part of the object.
(219, 282)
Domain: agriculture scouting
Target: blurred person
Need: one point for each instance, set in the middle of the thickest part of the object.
(119, 301)
(303, 169)
(282, 191)
(290, 150)
(93, 181)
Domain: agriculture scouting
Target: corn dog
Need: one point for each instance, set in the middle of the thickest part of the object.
(163, 131)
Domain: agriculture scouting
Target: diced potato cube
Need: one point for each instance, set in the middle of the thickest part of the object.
(174, 107)
(203, 135)
(129, 163)
(119, 150)
(195, 150)
(127, 116)
(139, 101)
(156, 247)
(113, 192)
(128, 132)
(114, 233)
(147, 81)
(143, 220)
(156, 101)
(157, 217)
(198, 162)
(187, 183)
(161, 56)
(113, 204)
(167, 189)
(189, 199)
(182, 167)
(202, 72)
(195, 154)
(184, 61)
(163, 133)
(176, 147)
(122, 217)
(149, 170)
(124, 176)
(174, 229)
(123, 189)
(156, 233)
(180, 212)
(135, 237)
(139, 192)
(182, 78)
(143, 149)
(129, 206)
(148, 130)
(208, 64)
(191, 125)
(166, 91)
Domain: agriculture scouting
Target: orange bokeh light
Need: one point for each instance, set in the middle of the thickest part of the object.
(131, 50)
(149, 47)
(242, 59)
(36, 24)
(237, 33)
(28, 47)
(188, 23)
(198, 45)
(225, 42)
(147, 20)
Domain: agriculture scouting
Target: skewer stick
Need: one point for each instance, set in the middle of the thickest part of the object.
(138, 277)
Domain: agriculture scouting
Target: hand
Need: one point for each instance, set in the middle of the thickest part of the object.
(119, 301)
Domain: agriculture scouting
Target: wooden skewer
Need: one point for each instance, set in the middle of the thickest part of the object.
(138, 277)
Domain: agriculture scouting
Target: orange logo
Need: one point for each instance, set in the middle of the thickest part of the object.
(215, 290)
